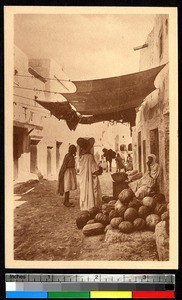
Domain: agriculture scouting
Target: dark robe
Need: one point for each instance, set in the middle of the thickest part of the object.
(68, 162)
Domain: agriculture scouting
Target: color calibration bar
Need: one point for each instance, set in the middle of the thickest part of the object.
(44, 286)
(88, 295)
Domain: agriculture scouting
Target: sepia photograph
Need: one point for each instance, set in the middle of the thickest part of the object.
(91, 137)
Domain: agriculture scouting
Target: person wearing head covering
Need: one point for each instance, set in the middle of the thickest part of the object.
(90, 191)
(119, 163)
(144, 185)
(67, 175)
(129, 163)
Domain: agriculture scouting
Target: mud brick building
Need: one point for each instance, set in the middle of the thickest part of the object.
(38, 141)
(151, 133)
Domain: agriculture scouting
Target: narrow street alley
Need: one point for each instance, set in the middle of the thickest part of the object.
(45, 229)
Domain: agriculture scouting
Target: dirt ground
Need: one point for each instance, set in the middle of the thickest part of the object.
(44, 229)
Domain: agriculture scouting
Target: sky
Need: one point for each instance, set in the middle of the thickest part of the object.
(87, 46)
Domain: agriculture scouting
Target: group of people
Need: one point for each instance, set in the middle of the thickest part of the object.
(121, 163)
(89, 170)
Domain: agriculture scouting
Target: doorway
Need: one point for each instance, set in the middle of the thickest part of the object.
(58, 144)
(154, 142)
(49, 161)
(33, 156)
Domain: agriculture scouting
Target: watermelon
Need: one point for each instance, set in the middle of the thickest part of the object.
(139, 224)
(106, 208)
(143, 211)
(159, 198)
(126, 196)
(151, 221)
(113, 214)
(82, 219)
(135, 204)
(101, 218)
(116, 221)
(121, 210)
(160, 209)
(150, 202)
(93, 229)
(91, 221)
(130, 214)
(93, 212)
(126, 227)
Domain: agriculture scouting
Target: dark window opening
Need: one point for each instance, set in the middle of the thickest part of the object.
(122, 147)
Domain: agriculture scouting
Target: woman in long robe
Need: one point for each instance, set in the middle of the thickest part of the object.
(90, 191)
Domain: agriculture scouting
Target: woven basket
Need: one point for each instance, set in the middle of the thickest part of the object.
(119, 177)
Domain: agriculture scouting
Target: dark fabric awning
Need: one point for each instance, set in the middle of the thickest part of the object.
(94, 97)
(128, 115)
(62, 110)
(105, 99)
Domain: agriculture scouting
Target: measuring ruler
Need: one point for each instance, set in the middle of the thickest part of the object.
(89, 285)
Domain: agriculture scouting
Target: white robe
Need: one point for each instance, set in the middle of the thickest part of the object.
(90, 192)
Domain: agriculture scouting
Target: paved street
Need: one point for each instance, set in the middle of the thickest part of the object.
(46, 230)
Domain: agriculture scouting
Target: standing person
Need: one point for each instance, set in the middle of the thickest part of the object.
(67, 175)
(129, 165)
(90, 191)
(119, 163)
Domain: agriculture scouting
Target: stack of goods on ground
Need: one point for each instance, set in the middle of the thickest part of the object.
(127, 214)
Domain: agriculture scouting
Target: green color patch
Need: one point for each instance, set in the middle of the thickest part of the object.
(66, 295)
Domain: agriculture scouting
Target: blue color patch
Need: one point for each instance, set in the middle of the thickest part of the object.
(24, 294)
